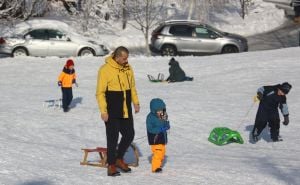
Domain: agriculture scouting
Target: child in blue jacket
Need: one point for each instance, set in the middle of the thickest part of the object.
(157, 126)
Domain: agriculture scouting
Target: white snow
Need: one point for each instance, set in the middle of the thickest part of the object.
(42, 146)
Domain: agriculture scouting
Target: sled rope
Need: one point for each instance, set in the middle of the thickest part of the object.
(246, 115)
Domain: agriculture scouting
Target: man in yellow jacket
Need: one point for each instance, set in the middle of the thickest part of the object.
(115, 92)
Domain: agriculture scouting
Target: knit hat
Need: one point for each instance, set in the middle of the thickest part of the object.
(172, 61)
(69, 63)
(285, 87)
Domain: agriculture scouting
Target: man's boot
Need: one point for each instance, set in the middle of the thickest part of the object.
(112, 170)
(122, 165)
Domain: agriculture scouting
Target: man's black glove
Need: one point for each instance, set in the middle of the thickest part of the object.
(259, 96)
(286, 120)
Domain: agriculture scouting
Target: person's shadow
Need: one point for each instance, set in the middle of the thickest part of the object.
(132, 155)
(75, 101)
(265, 134)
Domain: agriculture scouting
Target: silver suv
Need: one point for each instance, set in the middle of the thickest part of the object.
(178, 37)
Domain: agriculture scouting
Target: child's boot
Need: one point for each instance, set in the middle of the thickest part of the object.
(158, 170)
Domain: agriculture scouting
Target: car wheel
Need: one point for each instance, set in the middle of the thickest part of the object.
(168, 50)
(230, 49)
(86, 52)
(19, 52)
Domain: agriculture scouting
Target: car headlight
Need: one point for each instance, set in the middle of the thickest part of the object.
(239, 40)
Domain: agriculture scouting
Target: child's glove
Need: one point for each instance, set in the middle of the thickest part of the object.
(165, 128)
(59, 83)
(258, 97)
(286, 120)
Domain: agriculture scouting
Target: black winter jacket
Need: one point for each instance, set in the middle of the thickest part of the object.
(270, 102)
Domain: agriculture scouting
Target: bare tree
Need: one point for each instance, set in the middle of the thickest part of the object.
(191, 9)
(22, 9)
(145, 13)
(12, 9)
(124, 14)
(99, 11)
(30, 9)
(244, 7)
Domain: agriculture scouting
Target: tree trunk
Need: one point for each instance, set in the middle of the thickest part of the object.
(243, 9)
(191, 9)
(124, 15)
(31, 9)
(67, 7)
(147, 42)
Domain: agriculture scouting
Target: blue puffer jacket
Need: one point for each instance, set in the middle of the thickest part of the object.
(155, 125)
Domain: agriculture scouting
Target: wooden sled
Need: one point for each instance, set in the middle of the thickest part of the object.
(103, 157)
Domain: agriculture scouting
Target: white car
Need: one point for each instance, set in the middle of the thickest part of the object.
(50, 42)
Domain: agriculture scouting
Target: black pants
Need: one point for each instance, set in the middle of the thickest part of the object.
(114, 126)
(274, 124)
(67, 96)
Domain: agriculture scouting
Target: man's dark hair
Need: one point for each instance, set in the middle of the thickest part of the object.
(118, 51)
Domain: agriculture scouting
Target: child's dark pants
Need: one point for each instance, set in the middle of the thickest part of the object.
(67, 96)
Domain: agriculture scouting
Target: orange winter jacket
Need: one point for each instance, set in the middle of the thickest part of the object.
(67, 77)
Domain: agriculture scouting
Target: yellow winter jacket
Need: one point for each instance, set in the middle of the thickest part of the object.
(116, 89)
(67, 77)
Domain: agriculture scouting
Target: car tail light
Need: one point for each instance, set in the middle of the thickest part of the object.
(155, 35)
(2, 41)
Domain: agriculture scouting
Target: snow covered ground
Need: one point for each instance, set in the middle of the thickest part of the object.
(42, 146)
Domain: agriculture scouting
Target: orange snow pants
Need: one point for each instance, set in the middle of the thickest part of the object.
(158, 155)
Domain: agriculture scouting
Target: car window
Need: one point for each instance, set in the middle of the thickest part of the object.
(56, 35)
(181, 30)
(37, 34)
(202, 32)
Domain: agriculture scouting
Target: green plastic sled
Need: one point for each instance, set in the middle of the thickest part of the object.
(222, 136)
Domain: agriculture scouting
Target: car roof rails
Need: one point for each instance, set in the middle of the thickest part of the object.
(182, 20)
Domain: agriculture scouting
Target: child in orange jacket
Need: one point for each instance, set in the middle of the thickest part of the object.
(157, 126)
(66, 79)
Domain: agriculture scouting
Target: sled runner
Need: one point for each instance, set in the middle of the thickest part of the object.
(132, 150)
(160, 78)
(53, 103)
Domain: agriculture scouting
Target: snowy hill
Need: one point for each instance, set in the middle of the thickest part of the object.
(41, 146)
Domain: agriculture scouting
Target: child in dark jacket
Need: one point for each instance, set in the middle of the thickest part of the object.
(66, 79)
(157, 126)
(271, 98)
(176, 73)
